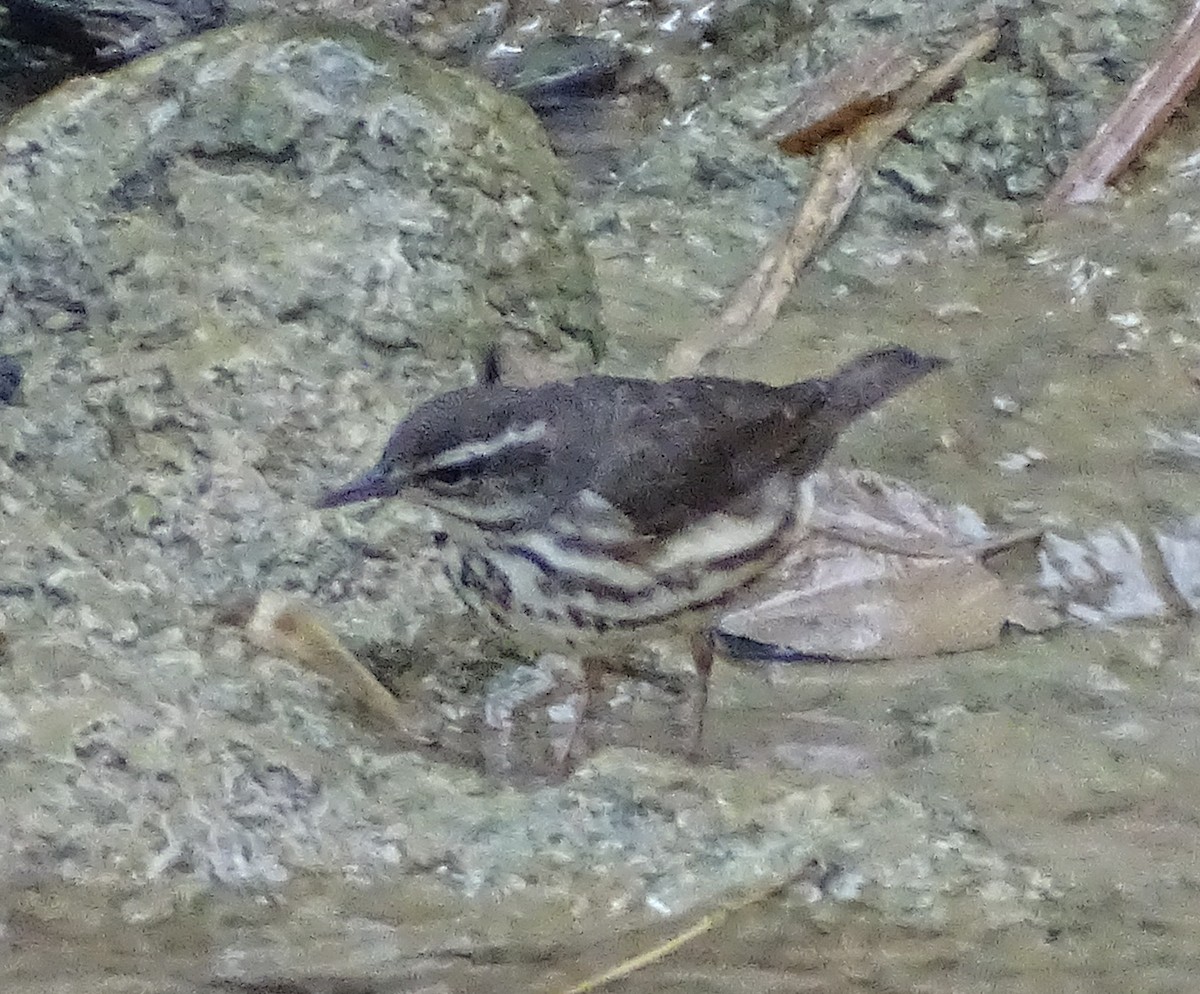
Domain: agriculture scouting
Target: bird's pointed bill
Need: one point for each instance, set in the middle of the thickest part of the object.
(371, 485)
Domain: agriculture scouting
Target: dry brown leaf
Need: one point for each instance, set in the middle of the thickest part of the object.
(833, 105)
(885, 573)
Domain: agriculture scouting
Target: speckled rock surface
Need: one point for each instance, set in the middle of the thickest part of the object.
(681, 133)
(288, 174)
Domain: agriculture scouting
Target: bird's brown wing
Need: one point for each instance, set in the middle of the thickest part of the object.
(670, 453)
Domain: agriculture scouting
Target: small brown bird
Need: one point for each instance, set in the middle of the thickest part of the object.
(584, 517)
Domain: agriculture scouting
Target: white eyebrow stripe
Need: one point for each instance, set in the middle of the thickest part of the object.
(472, 451)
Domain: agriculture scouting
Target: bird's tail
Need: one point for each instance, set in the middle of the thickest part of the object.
(871, 378)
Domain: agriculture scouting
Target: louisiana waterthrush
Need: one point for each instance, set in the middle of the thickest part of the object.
(584, 517)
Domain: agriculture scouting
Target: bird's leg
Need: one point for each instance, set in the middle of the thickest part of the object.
(702, 660)
(593, 686)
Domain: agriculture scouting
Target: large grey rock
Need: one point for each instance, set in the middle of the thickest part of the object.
(208, 262)
(277, 175)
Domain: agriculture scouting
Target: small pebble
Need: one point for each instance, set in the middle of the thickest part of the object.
(1014, 462)
(564, 69)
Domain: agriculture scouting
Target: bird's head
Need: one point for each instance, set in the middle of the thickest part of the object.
(448, 444)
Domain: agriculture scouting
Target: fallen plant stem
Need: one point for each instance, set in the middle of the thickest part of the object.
(922, 549)
(752, 307)
(292, 631)
(1166, 82)
(1004, 543)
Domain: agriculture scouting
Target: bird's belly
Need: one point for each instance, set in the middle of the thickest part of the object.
(554, 592)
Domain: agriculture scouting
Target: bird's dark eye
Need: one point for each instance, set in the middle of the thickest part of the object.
(450, 475)
(462, 471)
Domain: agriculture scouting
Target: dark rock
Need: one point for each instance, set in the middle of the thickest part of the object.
(459, 36)
(756, 29)
(26, 72)
(571, 83)
(105, 33)
(565, 68)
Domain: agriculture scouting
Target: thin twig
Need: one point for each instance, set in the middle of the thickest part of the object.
(752, 308)
(1171, 75)
(921, 547)
(813, 869)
